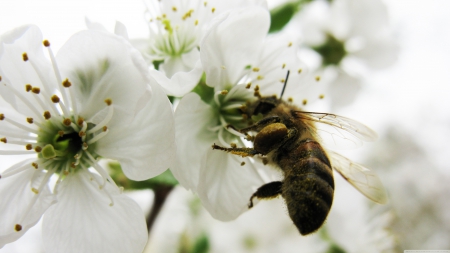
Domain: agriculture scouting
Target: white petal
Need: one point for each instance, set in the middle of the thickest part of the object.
(183, 63)
(232, 43)
(145, 147)
(84, 221)
(344, 89)
(121, 30)
(16, 195)
(192, 119)
(181, 83)
(379, 52)
(225, 187)
(100, 66)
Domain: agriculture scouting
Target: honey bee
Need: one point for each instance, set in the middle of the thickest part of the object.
(288, 138)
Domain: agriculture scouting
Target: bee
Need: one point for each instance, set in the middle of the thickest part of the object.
(288, 137)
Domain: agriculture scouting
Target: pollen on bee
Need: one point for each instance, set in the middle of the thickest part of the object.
(4, 140)
(67, 122)
(224, 92)
(108, 101)
(317, 78)
(28, 147)
(321, 96)
(17, 227)
(233, 145)
(47, 115)
(66, 83)
(46, 43)
(55, 99)
(28, 87)
(242, 163)
(30, 120)
(25, 57)
(35, 165)
(36, 90)
(304, 102)
(38, 149)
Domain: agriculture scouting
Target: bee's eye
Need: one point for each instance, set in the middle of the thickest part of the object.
(264, 108)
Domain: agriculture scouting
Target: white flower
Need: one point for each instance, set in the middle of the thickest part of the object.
(176, 29)
(93, 100)
(350, 35)
(236, 55)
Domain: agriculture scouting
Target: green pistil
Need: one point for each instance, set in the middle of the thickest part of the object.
(332, 51)
(167, 25)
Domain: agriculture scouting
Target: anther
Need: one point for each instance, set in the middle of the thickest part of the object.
(300, 71)
(61, 133)
(85, 146)
(242, 163)
(4, 140)
(67, 122)
(46, 43)
(304, 102)
(47, 115)
(35, 165)
(283, 66)
(174, 8)
(224, 92)
(282, 80)
(108, 101)
(80, 121)
(55, 99)
(255, 69)
(36, 191)
(73, 165)
(66, 83)
(82, 134)
(28, 87)
(213, 10)
(36, 90)
(196, 22)
(18, 227)
(321, 96)
(260, 77)
(265, 160)
(2, 116)
(30, 120)
(290, 44)
(29, 147)
(37, 149)
(233, 145)
(205, 3)
(105, 128)
(257, 88)
(25, 57)
(317, 78)
(290, 100)
(248, 86)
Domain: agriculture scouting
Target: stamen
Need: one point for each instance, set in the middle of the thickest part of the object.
(23, 99)
(17, 168)
(101, 187)
(232, 106)
(98, 137)
(105, 175)
(104, 122)
(25, 128)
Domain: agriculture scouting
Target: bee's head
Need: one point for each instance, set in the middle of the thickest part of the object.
(263, 105)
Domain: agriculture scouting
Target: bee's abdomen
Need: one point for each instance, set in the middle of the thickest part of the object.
(308, 186)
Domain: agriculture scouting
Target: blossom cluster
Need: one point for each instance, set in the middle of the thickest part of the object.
(105, 97)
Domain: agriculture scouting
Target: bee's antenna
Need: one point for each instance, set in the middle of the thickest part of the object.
(284, 86)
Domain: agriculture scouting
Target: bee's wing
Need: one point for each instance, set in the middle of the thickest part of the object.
(364, 180)
(338, 131)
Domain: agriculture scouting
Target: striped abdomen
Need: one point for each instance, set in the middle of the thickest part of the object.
(308, 185)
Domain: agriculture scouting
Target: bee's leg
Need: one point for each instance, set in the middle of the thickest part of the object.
(237, 151)
(259, 125)
(268, 191)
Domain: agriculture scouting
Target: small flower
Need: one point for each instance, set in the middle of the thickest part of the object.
(93, 100)
(240, 63)
(176, 29)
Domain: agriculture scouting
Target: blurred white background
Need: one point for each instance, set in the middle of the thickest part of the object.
(408, 104)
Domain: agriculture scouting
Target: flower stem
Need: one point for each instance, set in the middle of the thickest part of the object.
(161, 191)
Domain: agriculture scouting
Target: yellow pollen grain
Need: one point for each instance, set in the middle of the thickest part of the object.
(55, 99)
(36, 90)
(67, 122)
(248, 86)
(24, 57)
(66, 83)
(299, 71)
(30, 120)
(17, 227)
(224, 92)
(4, 140)
(2, 116)
(28, 87)
(233, 145)
(36, 191)
(242, 163)
(47, 115)
(46, 43)
(80, 121)
(283, 66)
(260, 77)
(304, 102)
(105, 128)
(213, 10)
(317, 78)
(108, 101)
(29, 147)
(38, 149)
(321, 96)
(35, 165)
(174, 8)
(82, 134)
(255, 69)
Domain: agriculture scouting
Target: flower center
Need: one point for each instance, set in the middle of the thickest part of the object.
(332, 51)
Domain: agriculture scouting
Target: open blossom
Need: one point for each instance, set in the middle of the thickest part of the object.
(93, 100)
(176, 29)
(349, 35)
(239, 61)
